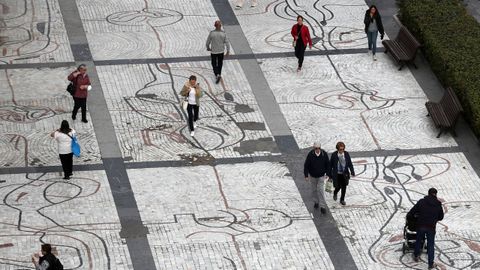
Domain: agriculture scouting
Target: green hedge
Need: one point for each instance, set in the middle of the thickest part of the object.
(451, 43)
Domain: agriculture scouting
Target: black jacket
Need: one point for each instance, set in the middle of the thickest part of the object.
(316, 166)
(378, 18)
(428, 211)
(332, 171)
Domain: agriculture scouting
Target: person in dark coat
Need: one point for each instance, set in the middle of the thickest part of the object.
(317, 165)
(428, 211)
(47, 261)
(81, 82)
(373, 26)
(340, 165)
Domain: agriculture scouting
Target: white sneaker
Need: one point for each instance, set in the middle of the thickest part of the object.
(192, 133)
(374, 57)
(253, 5)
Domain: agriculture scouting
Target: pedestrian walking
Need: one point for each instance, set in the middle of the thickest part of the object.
(63, 136)
(46, 261)
(192, 93)
(316, 166)
(253, 3)
(341, 168)
(81, 83)
(301, 37)
(428, 211)
(217, 43)
(373, 25)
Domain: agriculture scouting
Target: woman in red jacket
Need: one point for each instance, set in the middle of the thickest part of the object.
(301, 37)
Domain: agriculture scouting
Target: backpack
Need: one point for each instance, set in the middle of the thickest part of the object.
(54, 263)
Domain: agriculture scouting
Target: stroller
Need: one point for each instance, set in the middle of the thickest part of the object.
(410, 234)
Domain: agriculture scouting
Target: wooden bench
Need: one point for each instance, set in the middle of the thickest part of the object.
(403, 48)
(446, 112)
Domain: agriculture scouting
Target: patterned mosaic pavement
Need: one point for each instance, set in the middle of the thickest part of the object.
(229, 210)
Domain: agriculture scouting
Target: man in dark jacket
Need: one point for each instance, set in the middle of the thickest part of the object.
(428, 212)
(316, 165)
(47, 261)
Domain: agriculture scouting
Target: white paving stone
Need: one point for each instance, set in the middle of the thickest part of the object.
(244, 215)
(144, 103)
(386, 188)
(33, 103)
(131, 29)
(368, 105)
(33, 32)
(78, 217)
(333, 24)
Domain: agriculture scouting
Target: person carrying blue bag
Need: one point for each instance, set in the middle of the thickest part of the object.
(67, 147)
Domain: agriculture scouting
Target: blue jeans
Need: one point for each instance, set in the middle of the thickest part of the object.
(421, 233)
(372, 41)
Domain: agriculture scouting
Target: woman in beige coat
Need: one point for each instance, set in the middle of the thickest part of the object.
(192, 93)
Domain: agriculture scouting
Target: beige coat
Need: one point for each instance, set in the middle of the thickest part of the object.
(186, 90)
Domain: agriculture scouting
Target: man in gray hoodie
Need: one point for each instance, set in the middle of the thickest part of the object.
(217, 42)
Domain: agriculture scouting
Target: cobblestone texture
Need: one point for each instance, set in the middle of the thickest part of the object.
(77, 216)
(385, 189)
(145, 106)
(369, 105)
(227, 217)
(132, 29)
(33, 32)
(33, 103)
(333, 24)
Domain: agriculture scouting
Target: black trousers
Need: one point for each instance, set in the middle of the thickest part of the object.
(300, 53)
(67, 163)
(192, 111)
(217, 63)
(341, 185)
(79, 103)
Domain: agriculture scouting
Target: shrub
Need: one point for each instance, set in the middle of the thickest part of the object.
(451, 43)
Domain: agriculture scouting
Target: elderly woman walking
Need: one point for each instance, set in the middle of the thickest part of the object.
(341, 168)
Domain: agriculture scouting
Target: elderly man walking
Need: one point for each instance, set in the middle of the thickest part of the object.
(217, 42)
(428, 211)
(316, 166)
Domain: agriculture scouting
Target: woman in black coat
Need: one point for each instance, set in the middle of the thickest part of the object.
(341, 168)
(373, 25)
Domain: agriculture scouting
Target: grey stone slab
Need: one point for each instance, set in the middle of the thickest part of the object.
(48, 169)
(81, 52)
(37, 65)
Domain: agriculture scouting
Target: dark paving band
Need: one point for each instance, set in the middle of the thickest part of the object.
(133, 230)
(326, 226)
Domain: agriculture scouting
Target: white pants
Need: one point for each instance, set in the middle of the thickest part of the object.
(318, 190)
(241, 2)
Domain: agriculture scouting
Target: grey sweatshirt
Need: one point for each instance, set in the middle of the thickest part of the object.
(217, 41)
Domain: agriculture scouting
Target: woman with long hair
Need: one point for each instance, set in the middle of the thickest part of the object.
(301, 37)
(63, 136)
(373, 25)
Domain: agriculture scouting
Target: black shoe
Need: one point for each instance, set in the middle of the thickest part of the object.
(323, 210)
(85, 121)
(74, 117)
(315, 205)
(218, 79)
(342, 203)
(66, 177)
(334, 196)
(433, 266)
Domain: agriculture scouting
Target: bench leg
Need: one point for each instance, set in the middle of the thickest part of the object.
(440, 133)
(415, 66)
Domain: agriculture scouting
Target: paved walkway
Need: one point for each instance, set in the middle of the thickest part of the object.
(146, 195)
